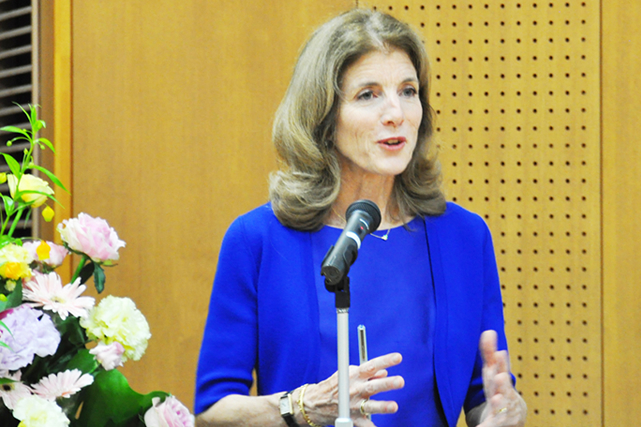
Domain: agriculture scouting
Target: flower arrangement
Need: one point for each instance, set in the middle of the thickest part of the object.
(59, 350)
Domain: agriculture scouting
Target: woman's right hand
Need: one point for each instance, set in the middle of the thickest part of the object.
(365, 381)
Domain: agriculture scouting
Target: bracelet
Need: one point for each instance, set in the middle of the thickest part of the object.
(301, 405)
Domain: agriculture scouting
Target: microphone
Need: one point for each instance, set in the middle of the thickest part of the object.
(363, 217)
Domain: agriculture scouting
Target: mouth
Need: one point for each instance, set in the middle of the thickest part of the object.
(393, 142)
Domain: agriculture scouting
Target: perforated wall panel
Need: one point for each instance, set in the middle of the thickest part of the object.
(515, 86)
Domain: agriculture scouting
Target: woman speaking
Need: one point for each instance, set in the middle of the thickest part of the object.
(356, 123)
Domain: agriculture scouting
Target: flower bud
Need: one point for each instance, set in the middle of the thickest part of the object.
(48, 214)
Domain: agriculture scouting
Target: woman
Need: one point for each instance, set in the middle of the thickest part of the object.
(355, 123)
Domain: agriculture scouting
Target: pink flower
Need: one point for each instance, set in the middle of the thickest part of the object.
(56, 256)
(12, 392)
(91, 236)
(108, 355)
(170, 413)
(46, 291)
(62, 384)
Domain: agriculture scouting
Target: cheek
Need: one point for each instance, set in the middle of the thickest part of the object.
(351, 133)
(416, 115)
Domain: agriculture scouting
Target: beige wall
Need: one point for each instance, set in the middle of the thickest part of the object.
(171, 108)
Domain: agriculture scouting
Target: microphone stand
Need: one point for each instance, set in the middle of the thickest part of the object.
(342, 299)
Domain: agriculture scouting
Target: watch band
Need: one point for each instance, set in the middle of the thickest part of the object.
(286, 406)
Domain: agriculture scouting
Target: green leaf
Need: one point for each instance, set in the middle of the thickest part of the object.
(18, 194)
(99, 278)
(33, 117)
(84, 361)
(46, 142)
(51, 176)
(13, 164)
(8, 204)
(15, 130)
(38, 125)
(110, 401)
(14, 299)
(86, 272)
(72, 332)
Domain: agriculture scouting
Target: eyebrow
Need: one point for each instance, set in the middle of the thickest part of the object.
(374, 83)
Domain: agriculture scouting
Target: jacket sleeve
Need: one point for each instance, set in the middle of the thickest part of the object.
(229, 346)
(492, 318)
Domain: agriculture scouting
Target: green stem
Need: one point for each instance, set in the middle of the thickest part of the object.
(82, 263)
(15, 223)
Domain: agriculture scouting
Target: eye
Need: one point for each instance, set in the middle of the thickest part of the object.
(365, 95)
(409, 91)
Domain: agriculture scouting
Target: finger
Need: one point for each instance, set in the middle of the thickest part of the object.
(489, 384)
(502, 361)
(370, 368)
(375, 386)
(381, 374)
(487, 346)
(504, 385)
(379, 407)
(489, 370)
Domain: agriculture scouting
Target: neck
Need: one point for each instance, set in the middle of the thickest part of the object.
(378, 190)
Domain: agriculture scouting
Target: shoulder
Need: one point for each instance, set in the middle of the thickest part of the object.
(260, 227)
(257, 221)
(459, 219)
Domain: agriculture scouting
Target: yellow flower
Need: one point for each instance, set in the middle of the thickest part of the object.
(3, 177)
(48, 214)
(14, 262)
(43, 250)
(30, 183)
(14, 270)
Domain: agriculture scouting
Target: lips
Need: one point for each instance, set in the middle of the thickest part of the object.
(393, 142)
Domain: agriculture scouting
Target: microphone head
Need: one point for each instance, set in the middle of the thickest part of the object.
(368, 207)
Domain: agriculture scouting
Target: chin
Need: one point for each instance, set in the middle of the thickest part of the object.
(393, 169)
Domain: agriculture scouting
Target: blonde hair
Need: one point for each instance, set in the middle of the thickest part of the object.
(303, 190)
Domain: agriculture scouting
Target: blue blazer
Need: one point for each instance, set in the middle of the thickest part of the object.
(264, 311)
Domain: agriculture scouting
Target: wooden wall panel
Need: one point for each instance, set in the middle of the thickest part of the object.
(621, 83)
(516, 92)
(172, 110)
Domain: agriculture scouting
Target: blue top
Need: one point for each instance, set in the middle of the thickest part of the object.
(392, 294)
(265, 311)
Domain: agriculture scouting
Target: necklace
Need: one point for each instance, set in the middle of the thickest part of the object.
(383, 237)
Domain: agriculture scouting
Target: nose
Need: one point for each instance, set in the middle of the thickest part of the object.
(393, 114)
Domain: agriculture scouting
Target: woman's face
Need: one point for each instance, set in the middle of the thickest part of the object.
(379, 115)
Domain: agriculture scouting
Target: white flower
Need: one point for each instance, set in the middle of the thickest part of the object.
(30, 183)
(12, 392)
(62, 384)
(108, 355)
(118, 320)
(29, 332)
(34, 411)
(46, 291)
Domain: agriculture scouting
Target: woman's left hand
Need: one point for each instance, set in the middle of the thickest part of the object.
(504, 405)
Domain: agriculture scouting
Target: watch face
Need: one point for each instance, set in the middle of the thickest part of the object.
(285, 406)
